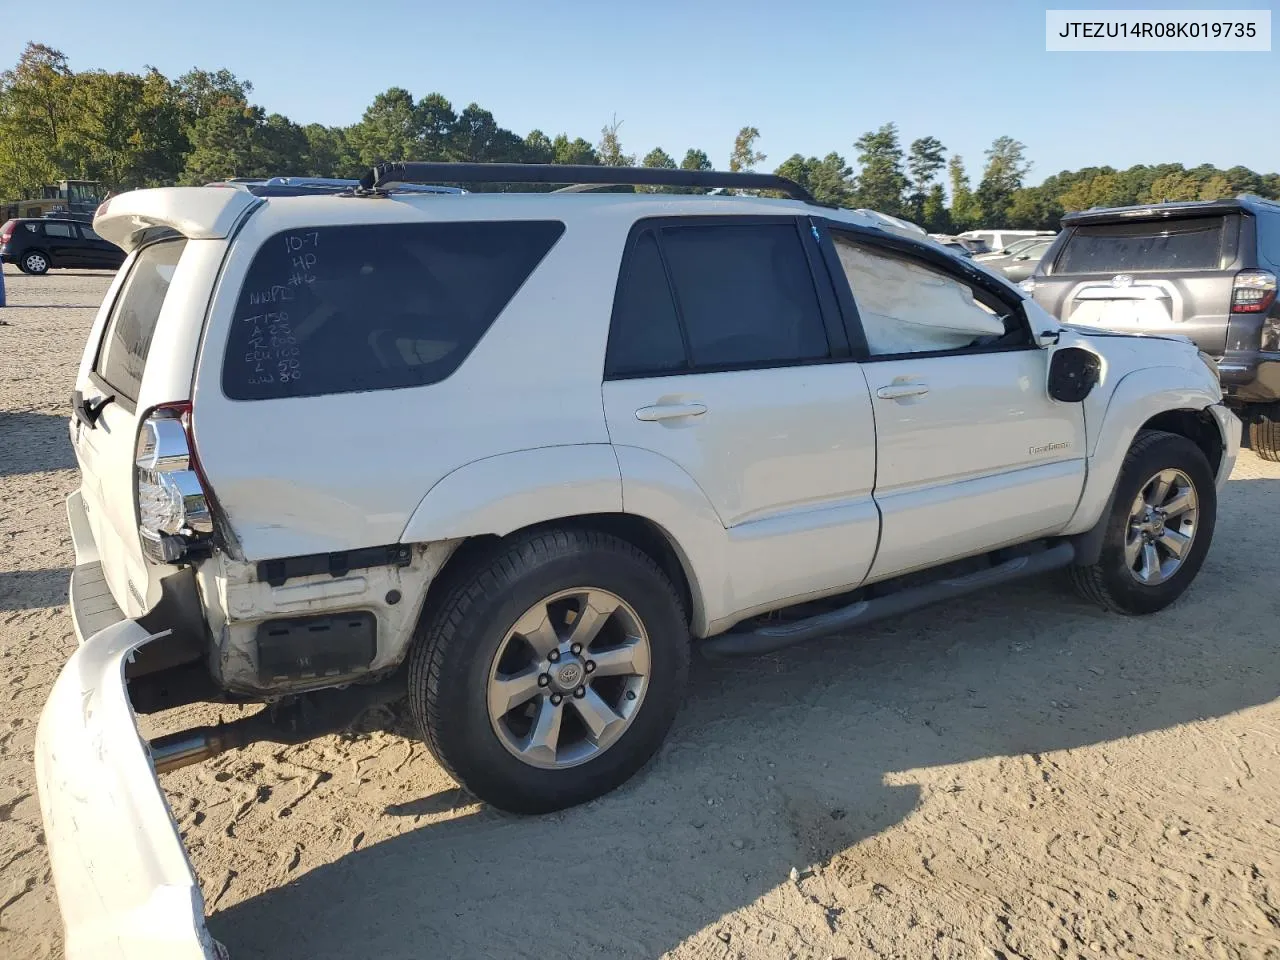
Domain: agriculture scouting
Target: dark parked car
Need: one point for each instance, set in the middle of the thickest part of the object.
(37, 245)
(1204, 269)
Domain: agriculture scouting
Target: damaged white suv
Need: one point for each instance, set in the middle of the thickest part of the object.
(515, 454)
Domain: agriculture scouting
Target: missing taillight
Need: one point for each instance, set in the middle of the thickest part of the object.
(173, 505)
(1254, 291)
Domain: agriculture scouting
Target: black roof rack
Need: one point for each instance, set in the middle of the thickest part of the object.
(384, 175)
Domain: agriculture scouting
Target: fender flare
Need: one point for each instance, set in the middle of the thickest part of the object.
(1137, 397)
(501, 494)
(504, 493)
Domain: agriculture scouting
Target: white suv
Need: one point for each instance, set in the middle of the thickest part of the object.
(517, 453)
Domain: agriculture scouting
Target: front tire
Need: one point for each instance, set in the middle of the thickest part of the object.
(551, 670)
(34, 262)
(1159, 529)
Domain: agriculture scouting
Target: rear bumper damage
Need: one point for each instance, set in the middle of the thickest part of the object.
(124, 883)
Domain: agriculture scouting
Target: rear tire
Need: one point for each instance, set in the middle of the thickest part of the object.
(1139, 570)
(527, 732)
(1264, 439)
(34, 262)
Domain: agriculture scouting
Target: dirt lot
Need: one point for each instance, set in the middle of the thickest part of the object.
(1018, 775)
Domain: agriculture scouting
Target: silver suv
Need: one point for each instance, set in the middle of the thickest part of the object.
(1204, 269)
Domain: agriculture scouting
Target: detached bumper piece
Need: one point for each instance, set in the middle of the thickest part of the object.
(125, 886)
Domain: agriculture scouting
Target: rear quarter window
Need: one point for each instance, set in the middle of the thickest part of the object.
(1190, 243)
(329, 310)
(127, 339)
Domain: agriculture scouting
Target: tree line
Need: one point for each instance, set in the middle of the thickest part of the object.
(144, 129)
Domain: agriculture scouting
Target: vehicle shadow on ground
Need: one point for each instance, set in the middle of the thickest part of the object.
(34, 443)
(804, 746)
(33, 589)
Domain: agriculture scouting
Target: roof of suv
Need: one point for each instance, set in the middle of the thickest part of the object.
(212, 211)
(1149, 211)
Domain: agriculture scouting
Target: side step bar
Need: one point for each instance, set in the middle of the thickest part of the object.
(770, 637)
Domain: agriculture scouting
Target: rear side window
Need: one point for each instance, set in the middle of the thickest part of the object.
(1191, 243)
(743, 297)
(344, 309)
(132, 324)
(746, 294)
(59, 230)
(645, 336)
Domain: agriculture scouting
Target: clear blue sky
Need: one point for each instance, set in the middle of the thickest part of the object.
(811, 74)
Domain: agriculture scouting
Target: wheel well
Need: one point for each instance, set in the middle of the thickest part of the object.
(1198, 426)
(638, 531)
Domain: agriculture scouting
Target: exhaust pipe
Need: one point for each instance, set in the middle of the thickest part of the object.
(176, 750)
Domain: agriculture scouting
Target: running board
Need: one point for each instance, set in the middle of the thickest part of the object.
(771, 637)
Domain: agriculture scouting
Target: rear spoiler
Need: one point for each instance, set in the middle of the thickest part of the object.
(198, 213)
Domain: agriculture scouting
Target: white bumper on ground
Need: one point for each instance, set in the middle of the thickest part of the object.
(125, 885)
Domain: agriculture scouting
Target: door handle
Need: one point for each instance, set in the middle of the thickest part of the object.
(671, 411)
(900, 391)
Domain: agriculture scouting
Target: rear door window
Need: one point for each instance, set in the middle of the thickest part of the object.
(746, 294)
(331, 310)
(59, 230)
(645, 336)
(127, 339)
(1190, 243)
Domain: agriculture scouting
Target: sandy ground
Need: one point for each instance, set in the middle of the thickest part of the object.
(1014, 776)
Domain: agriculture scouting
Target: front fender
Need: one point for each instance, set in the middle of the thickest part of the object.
(501, 494)
(1137, 397)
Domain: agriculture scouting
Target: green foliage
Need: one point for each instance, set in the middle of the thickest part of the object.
(964, 208)
(143, 129)
(935, 217)
(609, 151)
(745, 156)
(924, 163)
(695, 159)
(1001, 178)
(830, 179)
(881, 183)
(661, 160)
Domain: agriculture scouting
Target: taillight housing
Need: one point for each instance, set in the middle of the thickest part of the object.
(1253, 291)
(174, 508)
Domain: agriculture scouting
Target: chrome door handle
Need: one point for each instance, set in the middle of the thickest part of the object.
(671, 411)
(900, 391)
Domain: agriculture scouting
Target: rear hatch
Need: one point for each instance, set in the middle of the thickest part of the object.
(1155, 274)
(140, 354)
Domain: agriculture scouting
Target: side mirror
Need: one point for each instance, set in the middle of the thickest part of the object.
(1073, 373)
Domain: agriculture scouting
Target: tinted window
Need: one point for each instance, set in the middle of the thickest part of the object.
(59, 230)
(342, 309)
(133, 318)
(745, 294)
(88, 233)
(645, 335)
(1193, 243)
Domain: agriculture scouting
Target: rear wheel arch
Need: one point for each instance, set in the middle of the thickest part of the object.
(644, 534)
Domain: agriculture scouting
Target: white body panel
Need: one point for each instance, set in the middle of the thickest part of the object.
(786, 458)
(981, 459)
